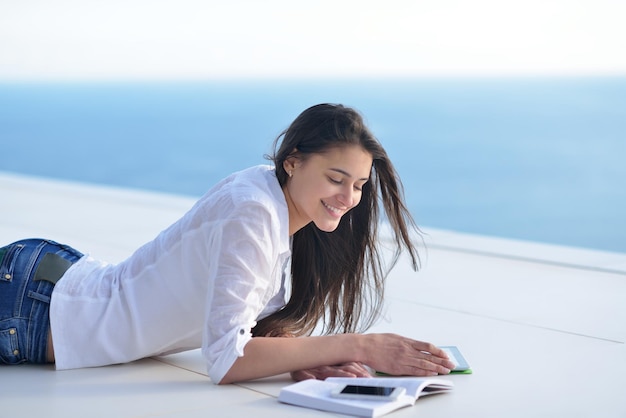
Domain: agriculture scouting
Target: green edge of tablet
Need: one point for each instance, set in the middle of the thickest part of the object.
(468, 371)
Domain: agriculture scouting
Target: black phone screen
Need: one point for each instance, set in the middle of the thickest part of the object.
(367, 390)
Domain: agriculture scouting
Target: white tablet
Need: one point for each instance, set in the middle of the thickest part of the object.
(460, 364)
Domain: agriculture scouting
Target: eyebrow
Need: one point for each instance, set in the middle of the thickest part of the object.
(345, 173)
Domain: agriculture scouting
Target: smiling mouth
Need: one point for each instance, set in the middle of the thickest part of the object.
(332, 209)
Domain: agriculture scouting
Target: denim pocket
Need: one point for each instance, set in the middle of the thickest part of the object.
(8, 255)
(10, 352)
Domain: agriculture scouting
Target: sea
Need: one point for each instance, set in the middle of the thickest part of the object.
(531, 158)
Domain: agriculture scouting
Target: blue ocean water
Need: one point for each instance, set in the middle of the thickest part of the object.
(526, 158)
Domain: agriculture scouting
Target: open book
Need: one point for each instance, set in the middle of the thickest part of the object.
(316, 394)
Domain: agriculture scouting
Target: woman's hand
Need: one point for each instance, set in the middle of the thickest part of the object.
(397, 355)
(352, 369)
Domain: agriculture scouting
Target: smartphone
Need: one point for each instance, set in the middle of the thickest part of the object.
(377, 393)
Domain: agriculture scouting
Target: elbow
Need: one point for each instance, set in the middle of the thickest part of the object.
(229, 378)
(225, 381)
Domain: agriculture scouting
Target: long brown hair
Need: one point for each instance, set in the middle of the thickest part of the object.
(339, 276)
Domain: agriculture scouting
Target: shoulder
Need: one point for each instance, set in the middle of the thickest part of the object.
(254, 214)
(255, 185)
(247, 195)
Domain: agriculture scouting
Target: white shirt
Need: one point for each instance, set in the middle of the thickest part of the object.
(203, 282)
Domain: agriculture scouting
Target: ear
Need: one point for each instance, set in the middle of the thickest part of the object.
(291, 162)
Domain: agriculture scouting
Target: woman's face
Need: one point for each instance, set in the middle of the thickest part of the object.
(322, 188)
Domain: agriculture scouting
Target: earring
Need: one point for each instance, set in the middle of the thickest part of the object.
(290, 173)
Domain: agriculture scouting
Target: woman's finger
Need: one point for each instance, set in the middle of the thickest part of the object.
(356, 369)
(302, 375)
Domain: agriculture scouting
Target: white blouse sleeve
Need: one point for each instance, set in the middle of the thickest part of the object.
(244, 278)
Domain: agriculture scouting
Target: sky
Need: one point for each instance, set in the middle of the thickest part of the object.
(207, 39)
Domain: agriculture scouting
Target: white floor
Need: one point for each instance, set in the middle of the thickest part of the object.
(543, 327)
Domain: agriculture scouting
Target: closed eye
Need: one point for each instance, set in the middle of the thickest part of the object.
(334, 181)
(340, 182)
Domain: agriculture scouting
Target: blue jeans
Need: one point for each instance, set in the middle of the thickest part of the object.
(29, 269)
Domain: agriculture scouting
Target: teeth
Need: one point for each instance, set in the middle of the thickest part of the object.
(332, 208)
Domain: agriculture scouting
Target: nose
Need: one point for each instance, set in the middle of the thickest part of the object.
(347, 196)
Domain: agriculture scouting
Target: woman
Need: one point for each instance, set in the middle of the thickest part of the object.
(216, 278)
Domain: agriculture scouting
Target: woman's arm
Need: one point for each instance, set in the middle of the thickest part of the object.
(389, 353)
